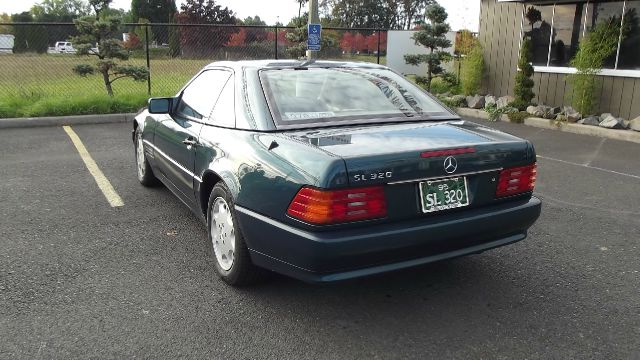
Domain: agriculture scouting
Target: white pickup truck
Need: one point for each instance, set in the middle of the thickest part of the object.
(63, 47)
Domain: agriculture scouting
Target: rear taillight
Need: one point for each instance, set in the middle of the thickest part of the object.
(322, 207)
(516, 180)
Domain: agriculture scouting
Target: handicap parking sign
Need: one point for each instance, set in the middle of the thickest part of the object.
(313, 41)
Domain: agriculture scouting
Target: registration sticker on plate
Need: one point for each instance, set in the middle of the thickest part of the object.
(444, 194)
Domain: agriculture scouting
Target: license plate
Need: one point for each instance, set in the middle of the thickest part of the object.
(443, 194)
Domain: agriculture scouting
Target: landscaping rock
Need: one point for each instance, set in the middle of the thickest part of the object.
(535, 110)
(612, 122)
(504, 101)
(459, 99)
(571, 114)
(635, 124)
(547, 111)
(604, 116)
(590, 120)
(475, 102)
(542, 111)
(556, 110)
(489, 100)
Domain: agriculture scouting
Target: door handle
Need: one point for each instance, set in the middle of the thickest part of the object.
(190, 141)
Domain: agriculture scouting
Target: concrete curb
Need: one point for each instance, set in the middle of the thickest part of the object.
(622, 135)
(65, 120)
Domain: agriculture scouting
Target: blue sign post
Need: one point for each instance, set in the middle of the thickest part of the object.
(313, 41)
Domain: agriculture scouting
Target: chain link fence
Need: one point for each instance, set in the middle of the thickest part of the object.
(37, 59)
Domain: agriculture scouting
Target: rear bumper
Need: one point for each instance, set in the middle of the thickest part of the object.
(344, 254)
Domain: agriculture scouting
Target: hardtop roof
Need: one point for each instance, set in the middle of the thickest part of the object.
(279, 64)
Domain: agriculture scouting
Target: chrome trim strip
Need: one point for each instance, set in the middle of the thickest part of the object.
(187, 171)
(553, 15)
(624, 9)
(444, 177)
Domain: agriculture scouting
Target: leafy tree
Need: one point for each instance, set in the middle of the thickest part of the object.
(598, 45)
(103, 30)
(5, 29)
(432, 36)
(410, 10)
(60, 10)
(204, 41)
(254, 34)
(28, 38)
(141, 32)
(523, 89)
(155, 11)
(362, 13)
(238, 39)
(301, 3)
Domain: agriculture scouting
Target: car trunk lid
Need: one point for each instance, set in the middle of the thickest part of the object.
(410, 152)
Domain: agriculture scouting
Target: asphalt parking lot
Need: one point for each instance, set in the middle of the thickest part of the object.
(82, 279)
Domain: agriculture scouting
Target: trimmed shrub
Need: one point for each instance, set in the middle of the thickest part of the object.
(523, 89)
(518, 117)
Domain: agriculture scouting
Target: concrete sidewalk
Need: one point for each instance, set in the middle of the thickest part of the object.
(623, 135)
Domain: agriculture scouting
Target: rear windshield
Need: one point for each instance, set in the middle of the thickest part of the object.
(357, 95)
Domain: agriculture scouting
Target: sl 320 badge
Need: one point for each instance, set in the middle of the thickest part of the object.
(373, 176)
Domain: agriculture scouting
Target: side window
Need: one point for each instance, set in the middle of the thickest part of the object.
(202, 93)
(224, 113)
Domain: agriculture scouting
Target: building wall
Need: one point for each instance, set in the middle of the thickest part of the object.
(499, 35)
(500, 38)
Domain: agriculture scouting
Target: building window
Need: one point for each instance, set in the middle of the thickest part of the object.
(537, 27)
(556, 29)
(605, 11)
(567, 32)
(629, 57)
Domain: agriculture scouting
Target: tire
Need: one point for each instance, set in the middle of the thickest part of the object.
(143, 168)
(230, 254)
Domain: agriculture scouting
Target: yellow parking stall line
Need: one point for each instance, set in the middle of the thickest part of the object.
(103, 183)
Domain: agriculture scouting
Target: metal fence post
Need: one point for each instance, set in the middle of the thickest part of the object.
(146, 38)
(276, 41)
(378, 46)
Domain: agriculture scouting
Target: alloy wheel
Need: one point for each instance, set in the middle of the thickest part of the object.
(223, 235)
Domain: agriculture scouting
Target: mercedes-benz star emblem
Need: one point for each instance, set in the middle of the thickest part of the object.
(450, 165)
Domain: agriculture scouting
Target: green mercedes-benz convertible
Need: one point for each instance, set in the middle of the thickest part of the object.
(327, 171)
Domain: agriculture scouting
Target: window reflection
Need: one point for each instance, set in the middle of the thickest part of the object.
(630, 46)
(567, 32)
(605, 11)
(537, 25)
(556, 33)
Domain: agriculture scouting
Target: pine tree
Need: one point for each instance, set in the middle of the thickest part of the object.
(103, 31)
(432, 36)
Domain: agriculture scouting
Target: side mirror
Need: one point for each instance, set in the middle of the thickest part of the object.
(160, 105)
